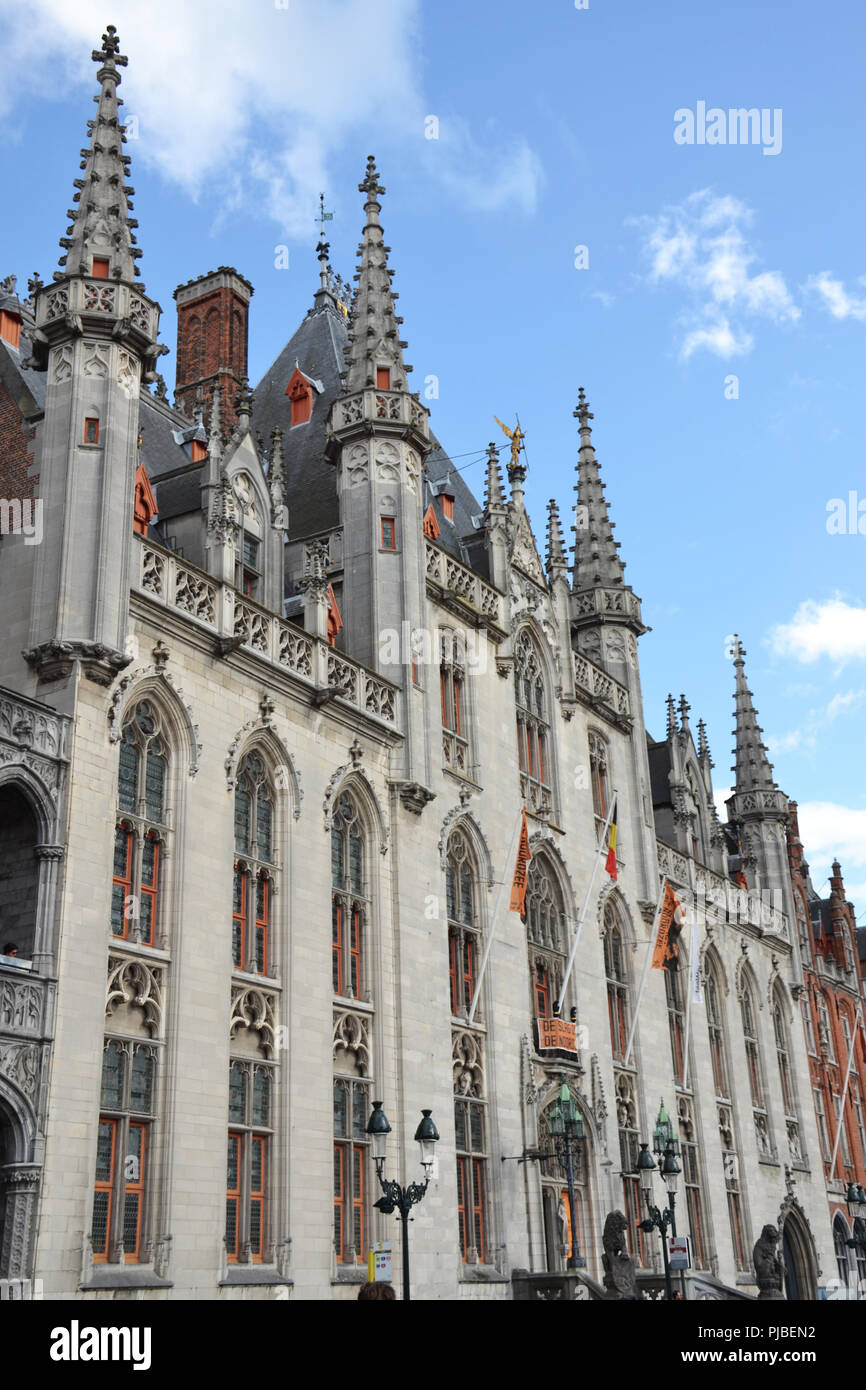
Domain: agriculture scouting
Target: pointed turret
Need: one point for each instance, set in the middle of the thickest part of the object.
(556, 558)
(684, 715)
(596, 559)
(375, 353)
(672, 727)
(100, 238)
(704, 746)
(494, 497)
(753, 768)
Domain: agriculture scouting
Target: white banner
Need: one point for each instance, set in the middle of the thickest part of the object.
(695, 965)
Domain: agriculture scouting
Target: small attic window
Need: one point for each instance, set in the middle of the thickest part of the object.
(197, 451)
(448, 506)
(383, 378)
(10, 328)
(100, 267)
(300, 393)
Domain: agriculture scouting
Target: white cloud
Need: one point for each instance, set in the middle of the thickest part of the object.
(828, 628)
(252, 101)
(701, 246)
(836, 298)
(844, 704)
(832, 831)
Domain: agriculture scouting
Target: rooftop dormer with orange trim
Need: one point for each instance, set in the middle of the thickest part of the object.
(144, 506)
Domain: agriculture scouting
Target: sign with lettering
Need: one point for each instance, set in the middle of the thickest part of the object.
(555, 1033)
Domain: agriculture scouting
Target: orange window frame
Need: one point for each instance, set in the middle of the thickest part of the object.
(468, 969)
(91, 420)
(453, 970)
(388, 532)
(151, 890)
(443, 686)
(541, 982)
(339, 1202)
(106, 1185)
(616, 1014)
(233, 1197)
(337, 946)
(461, 1206)
(125, 882)
(358, 1199)
(101, 266)
(458, 697)
(478, 1207)
(135, 1189)
(239, 920)
(355, 952)
(259, 1158)
(383, 378)
(262, 925)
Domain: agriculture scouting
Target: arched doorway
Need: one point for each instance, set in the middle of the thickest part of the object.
(555, 1204)
(798, 1258)
(19, 871)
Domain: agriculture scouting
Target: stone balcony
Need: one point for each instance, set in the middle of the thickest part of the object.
(717, 897)
(239, 622)
(101, 299)
(601, 688)
(25, 1005)
(397, 409)
(448, 579)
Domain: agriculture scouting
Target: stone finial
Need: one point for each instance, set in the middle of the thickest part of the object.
(494, 497)
(371, 185)
(672, 727)
(109, 55)
(703, 744)
(555, 546)
(684, 714)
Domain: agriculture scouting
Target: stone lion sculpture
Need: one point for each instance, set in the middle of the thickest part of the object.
(768, 1266)
(620, 1279)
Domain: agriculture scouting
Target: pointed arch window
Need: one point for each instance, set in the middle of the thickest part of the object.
(470, 1128)
(692, 1178)
(141, 829)
(825, 1032)
(716, 1029)
(615, 970)
(545, 929)
(127, 1100)
(248, 1168)
(599, 776)
(533, 725)
(625, 1083)
(461, 893)
(676, 1022)
(452, 678)
(350, 900)
(255, 867)
(756, 1077)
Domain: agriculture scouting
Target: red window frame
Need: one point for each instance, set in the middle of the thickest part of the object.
(616, 1014)
(239, 921)
(337, 946)
(383, 378)
(541, 984)
(151, 890)
(258, 1147)
(470, 1204)
(263, 923)
(91, 427)
(126, 882)
(339, 1202)
(358, 1199)
(447, 506)
(135, 1189)
(233, 1196)
(355, 952)
(389, 532)
(458, 696)
(106, 1185)
(355, 1152)
(100, 268)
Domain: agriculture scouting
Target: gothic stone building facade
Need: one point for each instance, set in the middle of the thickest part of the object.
(275, 689)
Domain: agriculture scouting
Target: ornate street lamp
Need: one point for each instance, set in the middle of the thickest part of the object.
(568, 1133)
(665, 1148)
(394, 1197)
(855, 1198)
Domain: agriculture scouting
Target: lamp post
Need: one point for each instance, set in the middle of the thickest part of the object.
(394, 1197)
(855, 1198)
(568, 1132)
(665, 1149)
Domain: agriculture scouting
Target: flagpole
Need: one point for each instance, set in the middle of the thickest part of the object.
(602, 850)
(489, 942)
(646, 970)
(841, 1115)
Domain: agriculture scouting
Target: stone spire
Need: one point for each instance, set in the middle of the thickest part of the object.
(101, 227)
(374, 339)
(684, 715)
(703, 745)
(494, 498)
(753, 768)
(672, 728)
(596, 561)
(556, 559)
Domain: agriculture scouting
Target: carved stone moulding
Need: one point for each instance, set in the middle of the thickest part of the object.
(53, 661)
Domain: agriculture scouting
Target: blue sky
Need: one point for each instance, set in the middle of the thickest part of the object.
(555, 130)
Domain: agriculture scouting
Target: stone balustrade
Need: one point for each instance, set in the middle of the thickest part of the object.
(717, 897)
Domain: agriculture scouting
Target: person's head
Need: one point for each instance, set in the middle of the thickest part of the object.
(378, 1290)
(11, 948)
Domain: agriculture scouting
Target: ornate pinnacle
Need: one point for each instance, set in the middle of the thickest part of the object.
(371, 185)
(494, 496)
(672, 717)
(109, 54)
(684, 714)
(555, 548)
(703, 744)
(244, 399)
(582, 411)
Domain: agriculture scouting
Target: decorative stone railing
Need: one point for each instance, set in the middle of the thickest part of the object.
(231, 616)
(592, 603)
(22, 1004)
(600, 686)
(717, 897)
(380, 408)
(462, 582)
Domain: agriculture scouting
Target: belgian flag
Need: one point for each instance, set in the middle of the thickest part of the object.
(610, 862)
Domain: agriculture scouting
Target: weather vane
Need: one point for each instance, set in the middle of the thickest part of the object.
(323, 216)
(516, 436)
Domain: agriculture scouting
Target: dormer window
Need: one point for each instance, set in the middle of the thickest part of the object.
(10, 328)
(383, 378)
(100, 267)
(197, 451)
(300, 393)
(431, 525)
(448, 506)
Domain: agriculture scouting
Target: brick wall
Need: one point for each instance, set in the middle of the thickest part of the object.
(212, 326)
(15, 459)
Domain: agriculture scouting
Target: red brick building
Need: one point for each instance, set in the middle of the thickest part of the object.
(833, 1017)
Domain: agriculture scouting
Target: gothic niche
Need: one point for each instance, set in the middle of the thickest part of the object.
(19, 872)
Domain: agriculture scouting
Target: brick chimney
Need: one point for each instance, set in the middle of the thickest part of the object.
(212, 322)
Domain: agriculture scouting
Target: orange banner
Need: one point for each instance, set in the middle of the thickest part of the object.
(556, 1033)
(671, 921)
(518, 884)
